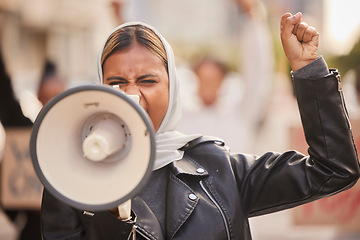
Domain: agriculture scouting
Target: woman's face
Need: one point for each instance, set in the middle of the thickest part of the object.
(138, 71)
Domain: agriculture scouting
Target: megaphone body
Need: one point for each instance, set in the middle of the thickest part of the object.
(93, 147)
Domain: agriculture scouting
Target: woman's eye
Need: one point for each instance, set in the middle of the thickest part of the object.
(147, 81)
(118, 83)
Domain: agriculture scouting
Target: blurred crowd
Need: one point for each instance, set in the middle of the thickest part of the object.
(46, 48)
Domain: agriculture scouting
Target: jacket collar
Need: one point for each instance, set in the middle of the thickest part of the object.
(188, 166)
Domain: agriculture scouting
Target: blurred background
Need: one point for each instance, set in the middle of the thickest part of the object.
(233, 72)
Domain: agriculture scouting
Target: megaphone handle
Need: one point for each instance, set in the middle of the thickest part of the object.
(125, 210)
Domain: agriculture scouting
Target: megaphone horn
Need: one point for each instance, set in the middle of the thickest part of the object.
(93, 147)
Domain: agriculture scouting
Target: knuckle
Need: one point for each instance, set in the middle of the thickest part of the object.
(303, 25)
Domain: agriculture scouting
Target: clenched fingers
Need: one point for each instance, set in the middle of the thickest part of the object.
(288, 23)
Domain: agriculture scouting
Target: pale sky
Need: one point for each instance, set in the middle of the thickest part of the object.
(342, 25)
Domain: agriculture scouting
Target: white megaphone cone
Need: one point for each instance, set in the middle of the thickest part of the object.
(93, 148)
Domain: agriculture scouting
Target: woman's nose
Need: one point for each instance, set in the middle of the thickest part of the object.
(132, 89)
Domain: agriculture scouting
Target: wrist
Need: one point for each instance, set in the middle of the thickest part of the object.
(316, 69)
(300, 64)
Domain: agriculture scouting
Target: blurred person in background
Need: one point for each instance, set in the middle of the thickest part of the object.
(26, 222)
(211, 94)
(219, 96)
(8, 230)
(350, 66)
(198, 189)
(10, 111)
(117, 9)
(50, 84)
(351, 88)
(257, 60)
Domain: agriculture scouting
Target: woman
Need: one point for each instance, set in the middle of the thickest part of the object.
(198, 190)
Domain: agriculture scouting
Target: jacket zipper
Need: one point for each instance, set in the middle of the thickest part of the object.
(140, 232)
(218, 207)
(342, 98)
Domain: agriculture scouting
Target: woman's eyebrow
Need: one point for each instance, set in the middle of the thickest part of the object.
(116, 78)
(147, 76)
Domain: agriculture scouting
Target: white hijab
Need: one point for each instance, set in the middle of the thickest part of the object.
(168, 140)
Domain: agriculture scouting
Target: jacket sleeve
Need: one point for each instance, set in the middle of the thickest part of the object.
(276, 181)
(58, 220)
(62, 222)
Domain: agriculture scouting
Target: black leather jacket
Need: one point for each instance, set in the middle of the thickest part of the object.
(210, 194)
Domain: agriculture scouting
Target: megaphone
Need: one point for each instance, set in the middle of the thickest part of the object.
(93, 147)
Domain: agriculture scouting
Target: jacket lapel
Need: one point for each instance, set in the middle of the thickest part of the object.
(181, 199)
(146, 219)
